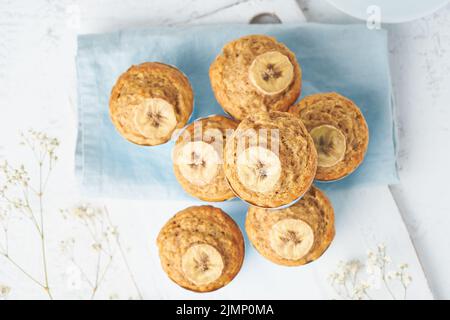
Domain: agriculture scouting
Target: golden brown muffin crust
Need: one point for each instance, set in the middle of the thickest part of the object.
(217, 189)
(314, 208)
(297, 155)
(340, 112)
(149, 80)
(230, 81)
(201, 225)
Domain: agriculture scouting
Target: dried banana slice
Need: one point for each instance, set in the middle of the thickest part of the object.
(202, 264)
(198, 162)
(271, 72)
(258, 169)
(291, 239)
(330, 144)
(154, 118)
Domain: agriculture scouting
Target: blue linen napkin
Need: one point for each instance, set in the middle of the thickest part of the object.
(349, 59)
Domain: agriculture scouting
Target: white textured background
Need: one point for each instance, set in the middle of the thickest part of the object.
(37, 89)
(420, 66)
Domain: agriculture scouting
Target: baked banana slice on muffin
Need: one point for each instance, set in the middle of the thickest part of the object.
(270, 160)
(339, 130)
(149, 101)
(201, 248)
(296, 235)
(255, 73)
(198, 158)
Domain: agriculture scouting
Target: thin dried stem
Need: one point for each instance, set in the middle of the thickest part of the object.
(347, 284)
(105, 270)
(42, 148)
(383, 277)
(106, 242)
(83, 273)
(97, 275)
(26, 273)
(42, 235)
(124, 257)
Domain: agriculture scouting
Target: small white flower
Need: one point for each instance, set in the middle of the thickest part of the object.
(4, 291)
(97, 246)
(371, 268)
(374, 275)
(391, 275)
(113, 296)
(365, 284)
(332, 277)
(407, 281)
(66, 246)
(340, 279)
(354, 266)
(79, 212)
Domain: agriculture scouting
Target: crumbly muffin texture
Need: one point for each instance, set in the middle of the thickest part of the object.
(145, 81)
(340, 112)
(297, 155)
(230, 79)
(314, 208)
(201, 225)
(214, 131)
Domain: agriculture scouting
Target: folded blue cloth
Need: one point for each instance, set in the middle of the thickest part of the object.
(349, 59)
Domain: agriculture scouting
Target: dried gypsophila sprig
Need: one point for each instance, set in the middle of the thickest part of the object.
(346, 280)
(23, 197)
(4, 224)
(4, 291)
(116, 296)
(17, 191)
(105, 242)
(401, 275)
(101, 243)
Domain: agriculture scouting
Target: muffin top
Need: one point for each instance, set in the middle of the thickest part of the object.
(296, 235)
(149, 101)
(255, 73)
(270, 159)
(201, 248)
(339, 130)
(198, 158)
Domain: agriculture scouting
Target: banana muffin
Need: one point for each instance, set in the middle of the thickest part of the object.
(294, 236)
(149, 101)
(339, 130)
(270, 159)
(198, 158)
(255, 73)
(201, 248)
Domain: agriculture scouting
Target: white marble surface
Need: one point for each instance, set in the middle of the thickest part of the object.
(420, 64)
(37, 89)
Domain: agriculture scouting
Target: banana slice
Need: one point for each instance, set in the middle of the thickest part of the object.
(258, 169)
(155, 118)
(291, 239)
(330, 144)
(198, 162)
(271, 72)
(202, 264)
